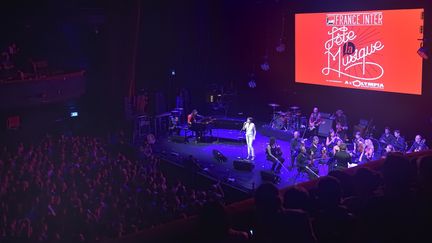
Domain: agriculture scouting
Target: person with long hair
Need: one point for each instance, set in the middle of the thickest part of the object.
(331, 139)
(368, 151)
(274, 154)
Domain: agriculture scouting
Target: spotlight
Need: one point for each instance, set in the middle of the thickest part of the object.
(280, 48)
(252, 83)
(422, 51)
(265, 66)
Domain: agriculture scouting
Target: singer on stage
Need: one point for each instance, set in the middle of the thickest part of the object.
(250, 129)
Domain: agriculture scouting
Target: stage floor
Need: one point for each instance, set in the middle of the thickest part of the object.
(232, 145)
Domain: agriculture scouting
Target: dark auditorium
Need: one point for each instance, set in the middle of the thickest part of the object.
(229, 121)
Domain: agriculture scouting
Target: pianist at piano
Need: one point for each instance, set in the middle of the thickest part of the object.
(199, 124)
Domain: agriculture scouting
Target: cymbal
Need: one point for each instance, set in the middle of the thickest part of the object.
(178, 108)
(281, 113)
(273, 105)
(294, 107)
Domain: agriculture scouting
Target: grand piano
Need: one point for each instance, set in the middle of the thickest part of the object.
(203, 126)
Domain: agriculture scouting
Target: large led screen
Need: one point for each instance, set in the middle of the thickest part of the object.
(368, 50)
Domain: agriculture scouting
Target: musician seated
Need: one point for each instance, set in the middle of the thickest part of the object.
(302, 159)
(341, 131)
(358, 151)
(340, 118)
(314, 149)
(386, 137)
(174, 128)
(399, 143)
(192, 117)
(331, 140)
(295, 144)
(342, 157)
(368, 152)
(192, 124)
(418, 145)
(388, 149)
(274, 154)
(336, 148)
(324, 158)
(357, 139)
(303, 163)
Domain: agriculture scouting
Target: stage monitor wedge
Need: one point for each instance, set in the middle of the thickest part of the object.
(243, 164)
(366, 50)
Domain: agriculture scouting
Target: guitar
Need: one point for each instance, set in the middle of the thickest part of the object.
(315, 124)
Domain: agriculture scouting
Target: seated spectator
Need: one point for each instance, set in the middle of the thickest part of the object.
(297, 197)
(273, 224)
(213, 225)
(424, 211)
(346, 182)
(71, 189)
(366, 184)
(334, 223)
(395, 208)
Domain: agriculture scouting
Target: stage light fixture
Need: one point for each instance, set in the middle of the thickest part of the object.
(265, 66)
(252, 83)
(281, 47)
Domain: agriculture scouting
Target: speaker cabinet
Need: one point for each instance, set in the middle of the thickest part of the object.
(324, 128)
(243, 164)
(219, 156)
(270, 176)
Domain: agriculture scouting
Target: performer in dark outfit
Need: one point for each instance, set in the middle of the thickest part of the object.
(342, 157)
(314, 121)
(192, 124)
(314, 150)
(295, 144)
(274, 154)
(399, 143)
(386, 138)
(418, 145)
(303, 163)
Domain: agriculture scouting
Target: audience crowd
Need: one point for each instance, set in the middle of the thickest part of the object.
(76, 189)
(390, 205)
(80, 189)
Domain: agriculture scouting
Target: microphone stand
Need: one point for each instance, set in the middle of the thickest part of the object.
(241, 137)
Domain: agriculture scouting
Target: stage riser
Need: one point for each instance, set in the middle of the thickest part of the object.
(278, 134)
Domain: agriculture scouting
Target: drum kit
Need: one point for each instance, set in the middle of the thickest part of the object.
(288, 120)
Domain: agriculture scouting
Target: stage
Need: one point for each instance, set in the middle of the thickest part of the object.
(232, 145)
